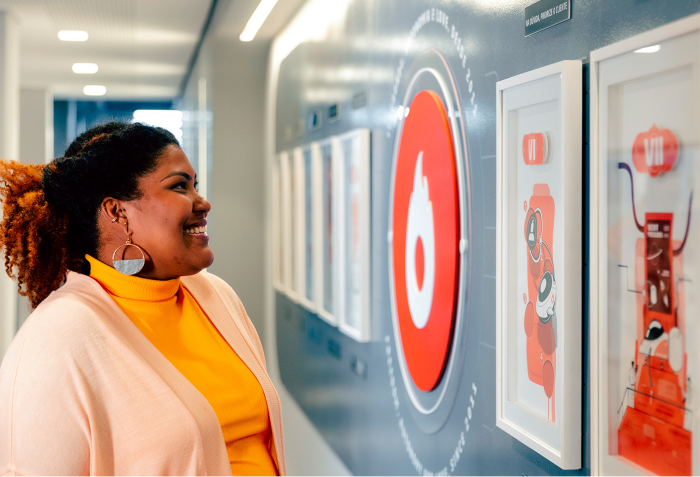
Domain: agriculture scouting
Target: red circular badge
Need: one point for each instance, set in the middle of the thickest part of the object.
(426, 233)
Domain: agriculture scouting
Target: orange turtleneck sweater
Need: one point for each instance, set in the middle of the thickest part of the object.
(174, 322)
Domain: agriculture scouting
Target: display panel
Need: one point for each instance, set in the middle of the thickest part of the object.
(538, 266)
(645, 170)
(354, 320)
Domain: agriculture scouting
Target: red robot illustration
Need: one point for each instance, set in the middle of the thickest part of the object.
(540, 317)
(655, 430)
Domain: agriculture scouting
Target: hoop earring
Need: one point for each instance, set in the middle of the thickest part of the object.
(129, 267)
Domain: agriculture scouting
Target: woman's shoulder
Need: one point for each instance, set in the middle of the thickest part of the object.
(66, 322)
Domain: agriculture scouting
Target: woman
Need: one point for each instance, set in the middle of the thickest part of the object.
(135, 360)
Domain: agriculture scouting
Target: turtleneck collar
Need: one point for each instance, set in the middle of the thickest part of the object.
(131, 287)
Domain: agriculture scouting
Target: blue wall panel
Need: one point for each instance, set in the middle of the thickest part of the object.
(356, 412)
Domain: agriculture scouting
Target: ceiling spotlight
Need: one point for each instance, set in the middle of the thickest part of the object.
(649, 49)
(94, 90)
(84, 68)
(257, 19)
(72, 35)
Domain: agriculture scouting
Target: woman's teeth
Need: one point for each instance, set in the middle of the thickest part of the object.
(197, 230)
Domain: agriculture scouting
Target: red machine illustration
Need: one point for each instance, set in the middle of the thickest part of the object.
(655, 430)
(540, 316)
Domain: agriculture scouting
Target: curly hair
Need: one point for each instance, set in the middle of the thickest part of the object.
(49, 213)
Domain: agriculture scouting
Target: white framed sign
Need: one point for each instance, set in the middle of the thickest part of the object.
(328, 294)
(645, 167)
(539, 260)
(355, 276)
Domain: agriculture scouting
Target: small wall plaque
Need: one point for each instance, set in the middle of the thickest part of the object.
(546, 13)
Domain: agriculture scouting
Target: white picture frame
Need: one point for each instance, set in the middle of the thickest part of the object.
(354, 316)
(276, 194)
(645, 88)
(297, 197)
(328, 295)
(285, 212)
(539, 258)
(305, 202)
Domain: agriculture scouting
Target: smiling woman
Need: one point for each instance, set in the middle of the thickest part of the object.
(135, 360)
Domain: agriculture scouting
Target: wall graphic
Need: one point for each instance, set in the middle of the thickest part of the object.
(356, 74)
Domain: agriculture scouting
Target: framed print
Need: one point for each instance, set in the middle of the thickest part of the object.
(354, 316)
(645, 167)
(276, 195)
(285, 222)
(539, 260)
(303, 232)
(328, 238)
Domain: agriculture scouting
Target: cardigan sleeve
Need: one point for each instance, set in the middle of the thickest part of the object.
(43, 423)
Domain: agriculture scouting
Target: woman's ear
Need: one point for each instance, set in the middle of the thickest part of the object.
(112, 210)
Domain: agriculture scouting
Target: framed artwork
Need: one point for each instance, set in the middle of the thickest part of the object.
(539, 260)
(327, 289)
(354, 314)
(645, 167)
(303, 229)
(276, 194)
(285, 210)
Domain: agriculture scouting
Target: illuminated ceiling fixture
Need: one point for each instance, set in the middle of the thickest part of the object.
(649, 49)
(94, 90)
(257, 19)
(72, 35)
(84, 68)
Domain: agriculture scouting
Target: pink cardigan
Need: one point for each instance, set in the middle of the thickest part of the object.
(83, 391)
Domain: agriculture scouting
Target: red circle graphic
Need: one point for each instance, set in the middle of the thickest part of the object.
(426, 133)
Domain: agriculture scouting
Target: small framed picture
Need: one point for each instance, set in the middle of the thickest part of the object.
(645, 257)
(277, 262)
(539, 260)
(285, 210)
(354, 315)
(303, 231)
(327, 236)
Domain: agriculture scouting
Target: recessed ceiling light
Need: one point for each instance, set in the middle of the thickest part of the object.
(72, 35)
(649, 49)
(84, 68)
(257, 19)
(94, 90)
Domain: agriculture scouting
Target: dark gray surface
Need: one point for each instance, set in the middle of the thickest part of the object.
(355, 411)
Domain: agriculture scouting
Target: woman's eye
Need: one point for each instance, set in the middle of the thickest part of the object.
(196, 186)
(180, 185)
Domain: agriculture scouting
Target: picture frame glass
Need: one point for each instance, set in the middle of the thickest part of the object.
(328, 225)
(353, 230)
(535, 322)
(308, 223)
(649, 146)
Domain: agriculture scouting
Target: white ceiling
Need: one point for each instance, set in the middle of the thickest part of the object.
(142, 47)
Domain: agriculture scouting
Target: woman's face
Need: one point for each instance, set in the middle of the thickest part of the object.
(169, 220)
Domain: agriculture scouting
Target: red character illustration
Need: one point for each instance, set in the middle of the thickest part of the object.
(655, 431)
(540, 316)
